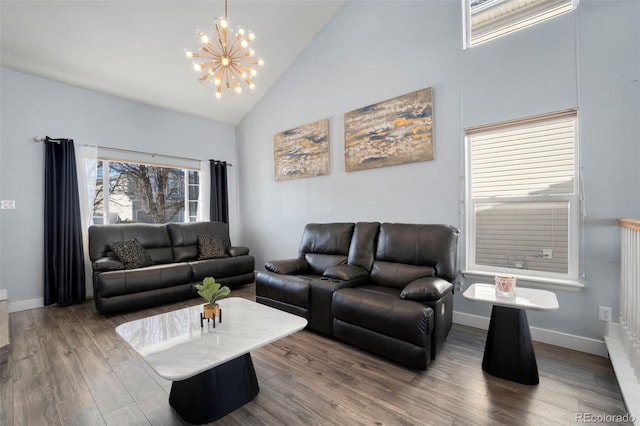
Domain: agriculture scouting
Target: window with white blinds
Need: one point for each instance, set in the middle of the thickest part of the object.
(489, 19)
(522, 199)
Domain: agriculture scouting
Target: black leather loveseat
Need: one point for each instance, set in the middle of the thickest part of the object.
(175, 262)
(386, 288)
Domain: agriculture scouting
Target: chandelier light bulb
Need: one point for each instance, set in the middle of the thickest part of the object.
(225, 58)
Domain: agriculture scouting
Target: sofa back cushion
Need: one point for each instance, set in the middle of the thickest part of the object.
(398, 275)
(324, 245)
(184, 237)
(326, 238)
(432, 246)
(153, 237)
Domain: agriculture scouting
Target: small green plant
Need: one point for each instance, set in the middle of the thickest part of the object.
(211, 291)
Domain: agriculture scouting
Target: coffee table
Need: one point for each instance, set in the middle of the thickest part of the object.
(508, 351)
(211, 368)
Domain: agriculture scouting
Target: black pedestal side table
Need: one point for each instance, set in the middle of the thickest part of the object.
(508, 351)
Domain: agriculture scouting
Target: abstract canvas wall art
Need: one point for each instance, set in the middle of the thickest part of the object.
(391, 132)
(302, 152)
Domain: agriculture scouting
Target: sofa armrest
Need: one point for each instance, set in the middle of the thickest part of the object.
(345, 272)
(426, 289)
(238, 251)
(105, 264)
(287, 266)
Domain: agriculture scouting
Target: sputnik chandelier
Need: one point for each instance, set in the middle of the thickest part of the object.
(225, 59)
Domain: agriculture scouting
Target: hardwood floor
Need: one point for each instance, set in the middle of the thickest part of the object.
(67, 366)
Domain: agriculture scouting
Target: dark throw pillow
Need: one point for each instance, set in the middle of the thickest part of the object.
(211, 248)
(131, 254)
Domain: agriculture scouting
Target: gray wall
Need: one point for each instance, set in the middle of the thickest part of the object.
(372, 51)
(33, 106)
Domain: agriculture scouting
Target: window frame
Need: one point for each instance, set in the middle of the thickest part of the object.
(571, 278)
(527, 19)
(108, 155)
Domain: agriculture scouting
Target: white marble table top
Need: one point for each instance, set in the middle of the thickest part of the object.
(525, 298)
(177, 348)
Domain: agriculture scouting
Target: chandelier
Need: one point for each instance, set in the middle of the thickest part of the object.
(224, 59)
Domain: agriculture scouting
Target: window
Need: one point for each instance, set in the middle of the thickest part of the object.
(139, 192)
(522, 198)
(489, 19)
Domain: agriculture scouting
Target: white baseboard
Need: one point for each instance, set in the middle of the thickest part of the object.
(557, 338)
(23, 305)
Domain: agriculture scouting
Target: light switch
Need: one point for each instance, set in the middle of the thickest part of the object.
(7, 204)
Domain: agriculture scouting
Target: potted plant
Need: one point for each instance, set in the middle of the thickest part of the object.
(211, 291)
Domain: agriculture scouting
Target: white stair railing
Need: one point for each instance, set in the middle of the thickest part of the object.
(623, 338)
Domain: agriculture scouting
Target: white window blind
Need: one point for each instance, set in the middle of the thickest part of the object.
(522, 197)
(488, 19)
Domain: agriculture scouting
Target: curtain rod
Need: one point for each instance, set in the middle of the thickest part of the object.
(153, 154)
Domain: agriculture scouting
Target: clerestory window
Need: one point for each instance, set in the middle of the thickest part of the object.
(486, 20)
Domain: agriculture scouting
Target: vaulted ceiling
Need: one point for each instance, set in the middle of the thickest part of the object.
(136, 49)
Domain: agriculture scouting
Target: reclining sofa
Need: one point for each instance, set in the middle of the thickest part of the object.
(174, 254)
(386, 288)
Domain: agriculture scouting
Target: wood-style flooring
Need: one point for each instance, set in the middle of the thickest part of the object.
(67, 366)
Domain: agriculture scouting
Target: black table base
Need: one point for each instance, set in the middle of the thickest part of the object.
(215, 393)
(508, 352)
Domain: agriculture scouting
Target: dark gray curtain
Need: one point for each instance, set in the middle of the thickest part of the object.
(219, 200)
(64, 280)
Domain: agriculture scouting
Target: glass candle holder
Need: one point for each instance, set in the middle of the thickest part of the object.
(505, 285)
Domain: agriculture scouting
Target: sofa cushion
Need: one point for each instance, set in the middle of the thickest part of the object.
(385, 314)
(415, 244)
(153, 237)
(118, 283)
(211, 248)
(131, 254)
(290, 289)
(398, 275)
(318, 263)
(184, 237)
(326, 238)
(426, 289)
(221, 268)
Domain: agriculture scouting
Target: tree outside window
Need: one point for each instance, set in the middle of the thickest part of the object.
(145, 193)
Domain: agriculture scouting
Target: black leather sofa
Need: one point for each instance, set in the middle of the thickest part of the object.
(386, 288)
(174, 252)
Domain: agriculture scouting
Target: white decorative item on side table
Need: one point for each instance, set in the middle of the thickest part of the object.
(211, 368)
(508, 351)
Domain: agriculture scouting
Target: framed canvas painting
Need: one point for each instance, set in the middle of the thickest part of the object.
(391, 132)
(302, 152)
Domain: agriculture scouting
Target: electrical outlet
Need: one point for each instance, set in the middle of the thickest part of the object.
(547, 254)
(604, 313)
